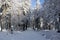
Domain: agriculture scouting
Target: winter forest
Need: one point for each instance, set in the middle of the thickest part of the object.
(30, 19)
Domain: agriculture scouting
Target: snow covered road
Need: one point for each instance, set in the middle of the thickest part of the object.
(25, 35)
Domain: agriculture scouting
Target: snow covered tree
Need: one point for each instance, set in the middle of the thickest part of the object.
(51, 8)
(20, 10)
(4, 7)
(36, 13)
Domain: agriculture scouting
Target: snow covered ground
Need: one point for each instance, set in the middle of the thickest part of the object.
(30, 35)
(24, 35)
(50, 34)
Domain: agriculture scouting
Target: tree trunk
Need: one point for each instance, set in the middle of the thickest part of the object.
(1, 22)
(1, 25)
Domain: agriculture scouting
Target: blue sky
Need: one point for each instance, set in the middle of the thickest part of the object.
(33, 2)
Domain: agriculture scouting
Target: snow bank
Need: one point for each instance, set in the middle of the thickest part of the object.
(52, 35)
(25, 35)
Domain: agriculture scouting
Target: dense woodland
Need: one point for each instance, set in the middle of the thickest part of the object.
(19, 15)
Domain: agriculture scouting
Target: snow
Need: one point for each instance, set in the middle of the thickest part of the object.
(50, 34)
(30, 34)
(24, 35)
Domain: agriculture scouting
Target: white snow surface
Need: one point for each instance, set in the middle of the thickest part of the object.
(30, 35)
(24, 35)
(50, 34)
